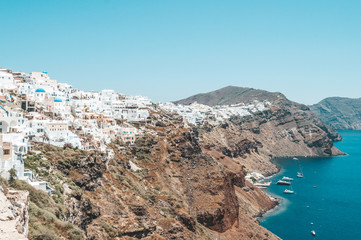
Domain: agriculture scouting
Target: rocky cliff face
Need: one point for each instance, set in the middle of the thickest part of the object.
(282, 131)
(14, 216)
(340, 113)
(181, 192)
(286, 129)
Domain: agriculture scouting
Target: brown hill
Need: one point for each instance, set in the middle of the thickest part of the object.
(231, 95)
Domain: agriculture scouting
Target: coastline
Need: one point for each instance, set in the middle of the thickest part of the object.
(277, 200)
(280, 202)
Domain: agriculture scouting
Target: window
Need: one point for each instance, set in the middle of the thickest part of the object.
(6, 152)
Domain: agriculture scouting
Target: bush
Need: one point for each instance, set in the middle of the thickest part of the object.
(43, 233)
(67, 145)
(12, 173)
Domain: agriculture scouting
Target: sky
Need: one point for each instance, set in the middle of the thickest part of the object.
(169, 50)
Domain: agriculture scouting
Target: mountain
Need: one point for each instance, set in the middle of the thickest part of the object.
(286, 129)
(340, 113)
(231, 95)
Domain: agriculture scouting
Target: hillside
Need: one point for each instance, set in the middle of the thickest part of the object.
(231, 95)
(340, 113)
(178, 181)
(167, 186)
(190, 183)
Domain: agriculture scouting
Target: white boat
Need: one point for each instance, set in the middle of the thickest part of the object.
(263, 185)
(287, 179)
(299, 173)
(280, 182)
(313, 233)
(295, 158)
(289, 190)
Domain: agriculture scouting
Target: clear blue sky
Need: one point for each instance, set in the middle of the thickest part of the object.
(172, 49)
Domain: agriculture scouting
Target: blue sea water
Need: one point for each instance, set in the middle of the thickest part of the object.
(335, 203)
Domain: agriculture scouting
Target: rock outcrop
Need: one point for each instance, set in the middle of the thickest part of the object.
(14, 216)
(340, 113)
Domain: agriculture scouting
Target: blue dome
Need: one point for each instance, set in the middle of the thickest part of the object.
(39, 90)
(58, 100)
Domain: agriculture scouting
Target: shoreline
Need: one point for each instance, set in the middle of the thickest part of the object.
(279, 201)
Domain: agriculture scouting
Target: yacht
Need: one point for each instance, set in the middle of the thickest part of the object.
(280, 182)
(287, 179)
(289, 190)
(263, 185)
(299, 173)
(313, 233)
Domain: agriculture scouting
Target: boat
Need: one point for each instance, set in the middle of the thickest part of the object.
(287, 179)
(280, 182)
(313, 233)
(263, 185)
(299, 173)
(289, 190)
(295, 158)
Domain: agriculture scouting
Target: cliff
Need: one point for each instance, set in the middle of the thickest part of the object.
(286, 129)
(177, 182)
(181, 190)
(340, 113)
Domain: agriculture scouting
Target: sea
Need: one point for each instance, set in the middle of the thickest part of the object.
(326, 200)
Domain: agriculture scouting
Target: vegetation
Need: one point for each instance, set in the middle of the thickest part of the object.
(48, 213)
(45, 215)
(12, 178)
(253, 179)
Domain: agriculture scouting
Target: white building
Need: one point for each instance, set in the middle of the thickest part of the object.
(10, 121)
(6, 82)
(128, 134)
(58, 134)
(12, 148)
